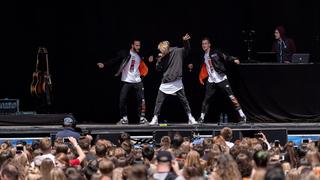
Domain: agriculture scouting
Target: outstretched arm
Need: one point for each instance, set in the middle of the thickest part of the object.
(186, 43)
(108, 63)
(231, 59)
(112, 61)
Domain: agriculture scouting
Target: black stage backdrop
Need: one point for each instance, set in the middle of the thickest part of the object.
(278, 92)
(78, 34)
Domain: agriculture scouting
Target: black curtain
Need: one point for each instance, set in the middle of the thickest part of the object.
(279, 92)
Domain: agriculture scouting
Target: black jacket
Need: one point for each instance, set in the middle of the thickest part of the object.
(220, 60)
(287, 47)
(123, 56)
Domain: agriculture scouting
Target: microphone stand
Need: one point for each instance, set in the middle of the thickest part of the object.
(249, 40)
(249, 43)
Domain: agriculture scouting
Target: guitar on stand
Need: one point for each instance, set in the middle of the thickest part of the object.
(41, 86)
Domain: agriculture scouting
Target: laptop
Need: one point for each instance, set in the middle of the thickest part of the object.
(300, 58)
(267, 57)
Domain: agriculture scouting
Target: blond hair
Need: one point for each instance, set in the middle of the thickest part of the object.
(164, 46)
(33, 174)
(57, 174)
(192, 159)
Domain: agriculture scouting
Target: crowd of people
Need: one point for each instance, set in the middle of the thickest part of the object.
(218, 158)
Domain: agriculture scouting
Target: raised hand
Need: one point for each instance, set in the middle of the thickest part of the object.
(150, 59)
(186, 37)
(100, 65)
(73, 141)
(237, 61)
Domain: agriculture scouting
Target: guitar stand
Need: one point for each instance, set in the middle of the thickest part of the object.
(41, 86)
(45, 101)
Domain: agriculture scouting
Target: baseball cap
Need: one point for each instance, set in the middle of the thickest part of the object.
(164, 156)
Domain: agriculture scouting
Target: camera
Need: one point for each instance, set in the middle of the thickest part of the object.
(305, 141)
(19, 149)
(65, 140)
(151, 145)
(258, 135)
(137, 146)
(197, 141)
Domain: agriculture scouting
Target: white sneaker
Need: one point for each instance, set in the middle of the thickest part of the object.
(192, 120)
(122, 122)
(154, 121)
(243, 119)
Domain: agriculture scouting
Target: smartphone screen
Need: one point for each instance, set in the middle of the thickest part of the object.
(19, 148)
(258, 135)
(66, 140)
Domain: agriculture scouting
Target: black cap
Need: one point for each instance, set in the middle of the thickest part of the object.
(164, 156)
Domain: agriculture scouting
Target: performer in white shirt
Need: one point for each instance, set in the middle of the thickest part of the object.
(214, 68)
(132, 69)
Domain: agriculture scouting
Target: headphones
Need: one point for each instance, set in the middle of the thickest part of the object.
(70, 119)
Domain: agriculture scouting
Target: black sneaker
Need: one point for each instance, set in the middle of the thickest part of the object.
(122, 122)
(144, 121)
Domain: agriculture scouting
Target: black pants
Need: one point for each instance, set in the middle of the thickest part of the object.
(211, 89)
(124, 92)
(162, 96)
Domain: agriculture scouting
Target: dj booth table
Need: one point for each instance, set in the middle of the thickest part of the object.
(272, 92)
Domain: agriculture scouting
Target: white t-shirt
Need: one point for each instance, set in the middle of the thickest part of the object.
(130, 72)
(38, 159)
(229, 144)
(171, 87)
(160, 176)
(214, 77)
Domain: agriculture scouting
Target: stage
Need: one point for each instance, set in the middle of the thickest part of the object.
(273, 131)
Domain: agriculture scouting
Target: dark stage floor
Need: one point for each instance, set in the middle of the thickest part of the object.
(48, 125)
(313, 128)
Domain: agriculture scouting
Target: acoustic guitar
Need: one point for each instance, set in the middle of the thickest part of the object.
(41, 81)
(35, 88)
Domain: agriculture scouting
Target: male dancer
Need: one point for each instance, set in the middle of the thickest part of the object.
(214, 68)
(170, 62)
(132, 69)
